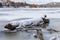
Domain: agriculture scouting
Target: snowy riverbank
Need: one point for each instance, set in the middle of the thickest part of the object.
(27, 15)
(16, 13)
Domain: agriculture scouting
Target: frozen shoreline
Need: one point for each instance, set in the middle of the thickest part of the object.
(16, 14)
(7, 14)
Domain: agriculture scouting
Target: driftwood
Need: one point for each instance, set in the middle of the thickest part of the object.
(10, 26)
(52, 30)
(39, 32)
(45, 20)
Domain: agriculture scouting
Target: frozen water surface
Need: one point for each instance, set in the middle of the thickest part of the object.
(23, 15)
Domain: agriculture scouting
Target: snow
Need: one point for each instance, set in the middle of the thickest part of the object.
(55, 36)
(16, 13)
(18, 0)
(25, 16)
(33, 1)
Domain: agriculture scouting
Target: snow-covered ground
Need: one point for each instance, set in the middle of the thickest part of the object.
(15, 13)
(27, 15)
